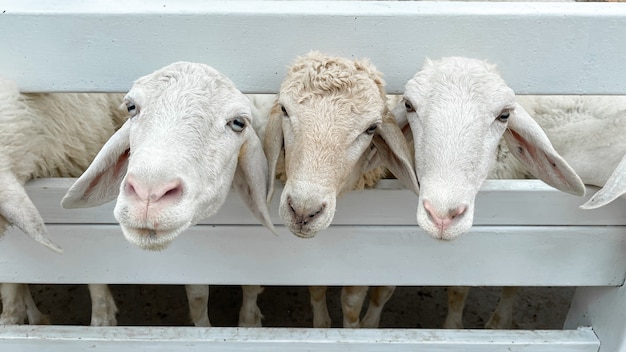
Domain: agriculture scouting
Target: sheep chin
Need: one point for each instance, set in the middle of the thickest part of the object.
(304, 234)
(150, 239)
(458, 228)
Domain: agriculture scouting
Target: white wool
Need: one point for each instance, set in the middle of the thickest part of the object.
(54, 134)
(583, 129)
(49, 135)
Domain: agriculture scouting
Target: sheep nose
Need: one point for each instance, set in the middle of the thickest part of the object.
(443, 221)
(167, 191)
(303, 214)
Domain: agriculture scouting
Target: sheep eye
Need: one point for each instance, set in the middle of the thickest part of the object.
(371, 129)
(408, 106)
(504, 116)
(132, 108)
(237, 124)
(282, 108)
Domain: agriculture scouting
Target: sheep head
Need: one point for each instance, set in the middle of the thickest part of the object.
(458, 110)
(189, 138)
(331, 123)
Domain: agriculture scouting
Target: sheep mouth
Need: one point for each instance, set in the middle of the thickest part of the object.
(151, 239)
(302, 234)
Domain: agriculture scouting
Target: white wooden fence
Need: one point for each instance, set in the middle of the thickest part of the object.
(536, 236)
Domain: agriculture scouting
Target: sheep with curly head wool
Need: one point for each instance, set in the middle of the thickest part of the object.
(458, 110)
(189, 138)
(48, 135)
(327, 132)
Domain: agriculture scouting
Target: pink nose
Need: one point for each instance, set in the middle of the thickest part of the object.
(443, 221)
(168, 191)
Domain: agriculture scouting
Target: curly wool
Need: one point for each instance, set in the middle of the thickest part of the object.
(367, 180)
(317, 75)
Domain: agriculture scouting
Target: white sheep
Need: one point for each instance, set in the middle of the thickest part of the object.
(598, 124)
(458, 110)
(188, 140)
(47, 135)
(327, 129)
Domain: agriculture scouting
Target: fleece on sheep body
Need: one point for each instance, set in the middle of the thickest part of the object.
(55, 134)
(582, 129)
(48, 135)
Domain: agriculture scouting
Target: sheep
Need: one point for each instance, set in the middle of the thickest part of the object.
(457, 109)
(327, 133)
(47, 135)
(187, 141)
(598, 123)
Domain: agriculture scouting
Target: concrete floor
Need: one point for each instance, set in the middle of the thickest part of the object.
(410, 307)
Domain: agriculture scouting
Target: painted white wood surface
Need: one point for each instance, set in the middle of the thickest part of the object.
(552, 48)
(75, 45)
(500, 202)
(342, 255)
(62, 339)
(380, 251)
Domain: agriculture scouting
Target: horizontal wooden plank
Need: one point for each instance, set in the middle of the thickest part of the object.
(341, 255)
(500, 202)
(75, 45)
(76, 338)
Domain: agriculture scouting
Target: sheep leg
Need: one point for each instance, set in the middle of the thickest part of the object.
(352, 298)
(198, 297)
(456, 303)
(321, 318)
(502, 317)
(250, 314)
(379, 295)
(103, 308)
(13, 305)
(35, 317)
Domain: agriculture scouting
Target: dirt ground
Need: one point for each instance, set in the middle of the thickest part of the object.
(410, 307)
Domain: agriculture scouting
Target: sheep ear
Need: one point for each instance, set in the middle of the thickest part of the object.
(402, 120)
(17, 208)
(614, 187)
(273, 144)
(530, 145)
(251, 178)
(393, 152)
(100, 183)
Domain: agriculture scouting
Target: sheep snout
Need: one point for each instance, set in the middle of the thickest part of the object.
(302, 215)
(443, 220)
(152, 212)
(160, 193)
(307, 209)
